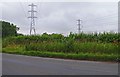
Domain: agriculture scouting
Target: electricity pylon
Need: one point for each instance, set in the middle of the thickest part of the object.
(32, 17)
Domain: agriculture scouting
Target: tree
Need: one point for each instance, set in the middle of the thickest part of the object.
(8, 29)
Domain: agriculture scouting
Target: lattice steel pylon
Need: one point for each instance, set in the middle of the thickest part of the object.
(32, 17)
(79, 26)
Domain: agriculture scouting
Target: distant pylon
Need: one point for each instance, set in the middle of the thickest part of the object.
(32, 17)
(79, 26)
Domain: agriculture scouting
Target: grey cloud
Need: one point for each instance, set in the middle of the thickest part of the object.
(60, 17)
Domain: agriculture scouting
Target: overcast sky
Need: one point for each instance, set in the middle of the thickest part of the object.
(60, 17)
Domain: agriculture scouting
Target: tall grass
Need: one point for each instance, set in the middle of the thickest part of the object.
(101, 44)
(76, 47)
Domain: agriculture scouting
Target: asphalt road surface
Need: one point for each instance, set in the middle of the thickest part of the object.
(27, 65)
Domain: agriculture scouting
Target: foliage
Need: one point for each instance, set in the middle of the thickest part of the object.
(59, 43)
(74, 46)
(8, 29)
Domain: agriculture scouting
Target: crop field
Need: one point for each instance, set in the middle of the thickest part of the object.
(98, 47)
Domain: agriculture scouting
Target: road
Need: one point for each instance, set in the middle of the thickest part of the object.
(27, 65)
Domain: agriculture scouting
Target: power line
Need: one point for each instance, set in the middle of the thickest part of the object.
(32, 17)
(23, 8)
(103, 17)
(103, 20)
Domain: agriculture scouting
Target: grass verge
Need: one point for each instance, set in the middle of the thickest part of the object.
(79, 56)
